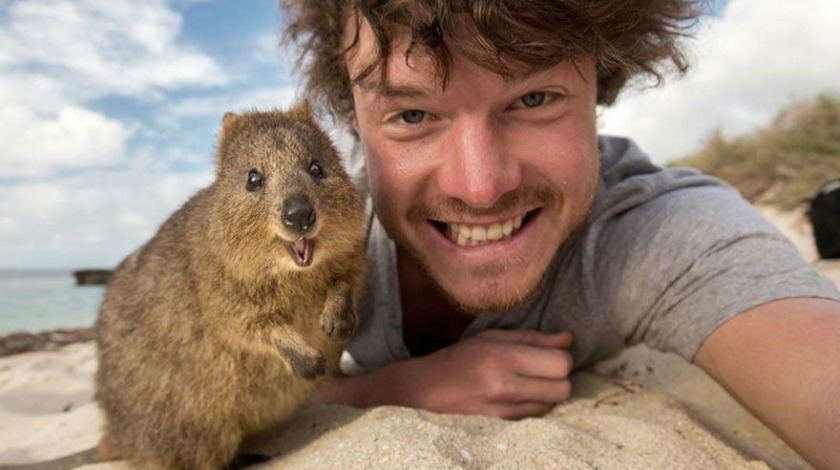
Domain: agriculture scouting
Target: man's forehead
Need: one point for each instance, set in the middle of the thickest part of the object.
(402, 78)
(410, 68)
(415, 71)
(414, 66)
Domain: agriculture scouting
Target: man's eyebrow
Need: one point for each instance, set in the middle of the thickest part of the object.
(396, 91)
(392, 90)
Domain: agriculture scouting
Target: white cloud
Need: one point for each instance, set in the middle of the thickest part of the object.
(134, 221)
(216, 106)
(38, 93)
(266, 49)
(9, 225)
(36, 200)
(127, 48)
(95, 218)
(74, 137)
(57, 56)
(749, 63)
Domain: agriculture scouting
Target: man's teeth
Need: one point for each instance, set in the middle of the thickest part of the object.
(471, 235)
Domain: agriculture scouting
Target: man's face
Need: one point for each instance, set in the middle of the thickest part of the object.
(482, 180)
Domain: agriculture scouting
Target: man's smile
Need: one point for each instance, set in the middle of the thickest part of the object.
(474, 234)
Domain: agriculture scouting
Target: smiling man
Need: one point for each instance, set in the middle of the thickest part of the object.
(511, 244)
(471, 198)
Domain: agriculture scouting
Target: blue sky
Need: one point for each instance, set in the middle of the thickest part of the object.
(109, 109)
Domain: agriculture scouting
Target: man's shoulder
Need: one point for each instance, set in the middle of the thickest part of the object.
(630, 179)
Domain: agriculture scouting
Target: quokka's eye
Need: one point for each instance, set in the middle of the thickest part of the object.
(255, 180)
(315, 170)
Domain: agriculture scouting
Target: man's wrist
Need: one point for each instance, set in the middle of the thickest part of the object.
(385, 386)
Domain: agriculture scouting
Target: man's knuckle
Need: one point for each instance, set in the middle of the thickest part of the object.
(500, 390)
(565, 390)
(494, 360)
(564, 362)
(568, 362)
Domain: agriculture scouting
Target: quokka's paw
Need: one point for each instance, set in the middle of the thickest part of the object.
(339, 327)
(306, 364)
(246, 460)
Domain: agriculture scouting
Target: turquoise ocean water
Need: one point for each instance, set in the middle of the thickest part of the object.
(40, 300)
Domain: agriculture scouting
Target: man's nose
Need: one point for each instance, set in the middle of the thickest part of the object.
(478, 168)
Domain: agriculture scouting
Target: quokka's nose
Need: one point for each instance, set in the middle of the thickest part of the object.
(298, 214)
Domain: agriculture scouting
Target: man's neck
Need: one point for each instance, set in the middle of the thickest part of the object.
(430, 320)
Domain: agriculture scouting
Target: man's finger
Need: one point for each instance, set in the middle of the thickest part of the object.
(521, 410)
(563, 339)
(530, 390)
(552, 364)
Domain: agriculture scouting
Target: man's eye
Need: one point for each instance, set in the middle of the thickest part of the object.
(533, 99)
(412, 116)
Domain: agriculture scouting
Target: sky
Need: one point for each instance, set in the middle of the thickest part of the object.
(109, 111)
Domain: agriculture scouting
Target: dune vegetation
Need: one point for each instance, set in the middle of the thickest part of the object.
(783, 164)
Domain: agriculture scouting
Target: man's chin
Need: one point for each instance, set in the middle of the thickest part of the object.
(490, 288)
(490, 299)
(485, 307)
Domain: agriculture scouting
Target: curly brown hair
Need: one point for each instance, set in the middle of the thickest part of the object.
(625, 38)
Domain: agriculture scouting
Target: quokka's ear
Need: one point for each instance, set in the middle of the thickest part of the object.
(302, 111)
(227, 120)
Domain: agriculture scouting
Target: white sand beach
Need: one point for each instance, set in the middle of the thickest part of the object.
(641, 410)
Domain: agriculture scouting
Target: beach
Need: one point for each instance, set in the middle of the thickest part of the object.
(640, 410)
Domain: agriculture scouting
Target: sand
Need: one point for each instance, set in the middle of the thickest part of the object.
(641, 410)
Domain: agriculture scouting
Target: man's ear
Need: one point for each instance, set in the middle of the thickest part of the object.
(303, 111)
(354, 123)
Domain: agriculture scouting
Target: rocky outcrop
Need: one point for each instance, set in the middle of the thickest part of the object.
(86, 277)
(21, 342)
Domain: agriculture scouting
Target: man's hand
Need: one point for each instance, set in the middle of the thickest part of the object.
(503, 373)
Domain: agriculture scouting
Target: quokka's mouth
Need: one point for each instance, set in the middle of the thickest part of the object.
(302, 251)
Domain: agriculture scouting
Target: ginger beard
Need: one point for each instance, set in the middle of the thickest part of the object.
(503, 282)
(490, 277)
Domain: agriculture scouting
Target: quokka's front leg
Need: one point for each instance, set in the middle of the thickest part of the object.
(276, 331)
(303, 358)
(339, 319)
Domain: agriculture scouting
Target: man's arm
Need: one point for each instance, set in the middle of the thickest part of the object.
(781, 360)
(502, 373)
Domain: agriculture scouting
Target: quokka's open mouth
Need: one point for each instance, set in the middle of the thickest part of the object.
(302, 251)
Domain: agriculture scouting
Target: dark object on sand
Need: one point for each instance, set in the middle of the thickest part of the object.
(89, 277)
(824, 215)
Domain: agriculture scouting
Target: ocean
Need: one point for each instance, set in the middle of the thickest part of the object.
(40, 300)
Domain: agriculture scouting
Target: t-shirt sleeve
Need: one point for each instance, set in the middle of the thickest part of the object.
(671, 270)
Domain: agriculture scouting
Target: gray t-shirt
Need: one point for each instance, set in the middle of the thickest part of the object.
(665, 257)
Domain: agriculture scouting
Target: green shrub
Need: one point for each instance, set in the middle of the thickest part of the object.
(783, 164)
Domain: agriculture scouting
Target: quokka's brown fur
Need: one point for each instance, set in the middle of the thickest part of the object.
(212, 332)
